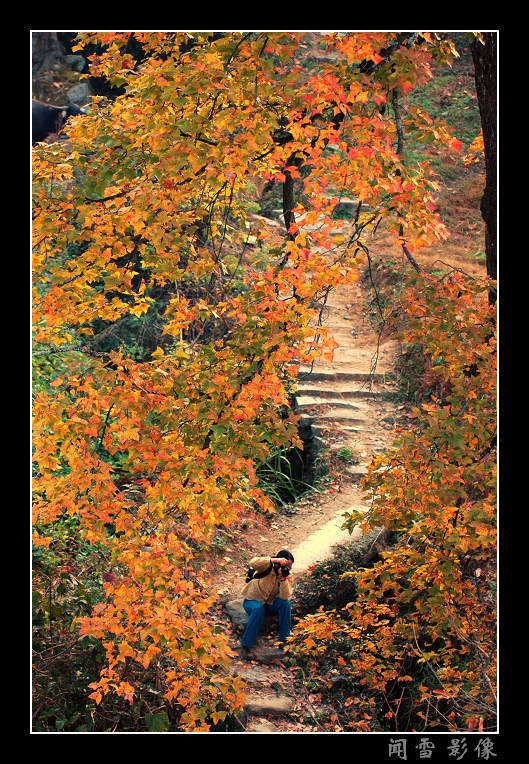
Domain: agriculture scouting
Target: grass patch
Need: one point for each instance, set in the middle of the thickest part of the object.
(281, 476)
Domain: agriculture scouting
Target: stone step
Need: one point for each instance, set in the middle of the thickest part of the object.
(269, 703)
(344, 431)
(334, 320)
(320, 435)
(339, 314)
(308, 401)
(345, 371)
(341, 389)
(359, 467)
(326, 437)
(344, 359)
(341, 393)
(341, 375)
(356, 471)
(252, 674)
(336, 415)
(261, 725)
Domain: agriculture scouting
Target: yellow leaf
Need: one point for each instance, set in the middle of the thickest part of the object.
(125, 650)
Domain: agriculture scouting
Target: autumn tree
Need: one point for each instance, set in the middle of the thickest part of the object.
(417, 645)
(148, 206)
(485, 57)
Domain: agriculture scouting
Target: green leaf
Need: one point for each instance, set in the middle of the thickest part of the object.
(157, 722)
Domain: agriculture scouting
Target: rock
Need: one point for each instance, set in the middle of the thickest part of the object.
(236, 612)
(318, 546)
(345, 206)
(239, 616)
(357, 533)
(268, 654)
(77, 63)
(253, 674)
(357, 472)
(268, 704)
(268, 221)
(80, 94)
(261, 725)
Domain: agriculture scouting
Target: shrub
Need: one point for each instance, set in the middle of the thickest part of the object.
(328, 583)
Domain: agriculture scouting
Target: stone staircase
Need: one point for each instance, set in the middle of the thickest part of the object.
(345, 401)
(345, 406)
(346, 410)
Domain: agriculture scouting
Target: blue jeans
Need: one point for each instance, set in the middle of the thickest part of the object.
(257, 611)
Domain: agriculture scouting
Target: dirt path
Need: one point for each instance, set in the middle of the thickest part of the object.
(344, 402)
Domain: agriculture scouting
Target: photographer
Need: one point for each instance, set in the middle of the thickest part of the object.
(268, 593)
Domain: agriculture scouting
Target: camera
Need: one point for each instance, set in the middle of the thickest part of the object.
(285, 570)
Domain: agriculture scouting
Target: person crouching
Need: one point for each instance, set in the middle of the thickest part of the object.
(268, 593)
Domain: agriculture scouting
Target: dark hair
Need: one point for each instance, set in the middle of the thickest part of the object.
(286, 554)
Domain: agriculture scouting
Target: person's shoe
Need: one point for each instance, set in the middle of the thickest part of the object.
(244, 652)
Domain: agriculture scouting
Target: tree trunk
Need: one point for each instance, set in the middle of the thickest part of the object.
(485, 72)
(46, 50)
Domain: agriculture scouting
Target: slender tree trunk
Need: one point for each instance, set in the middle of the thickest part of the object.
(289, 201)
(485, 72)
(399, 150)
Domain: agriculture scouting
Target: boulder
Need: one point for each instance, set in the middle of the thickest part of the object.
(239, 617)
(77, 63)
(80, 93)
(236, 612)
